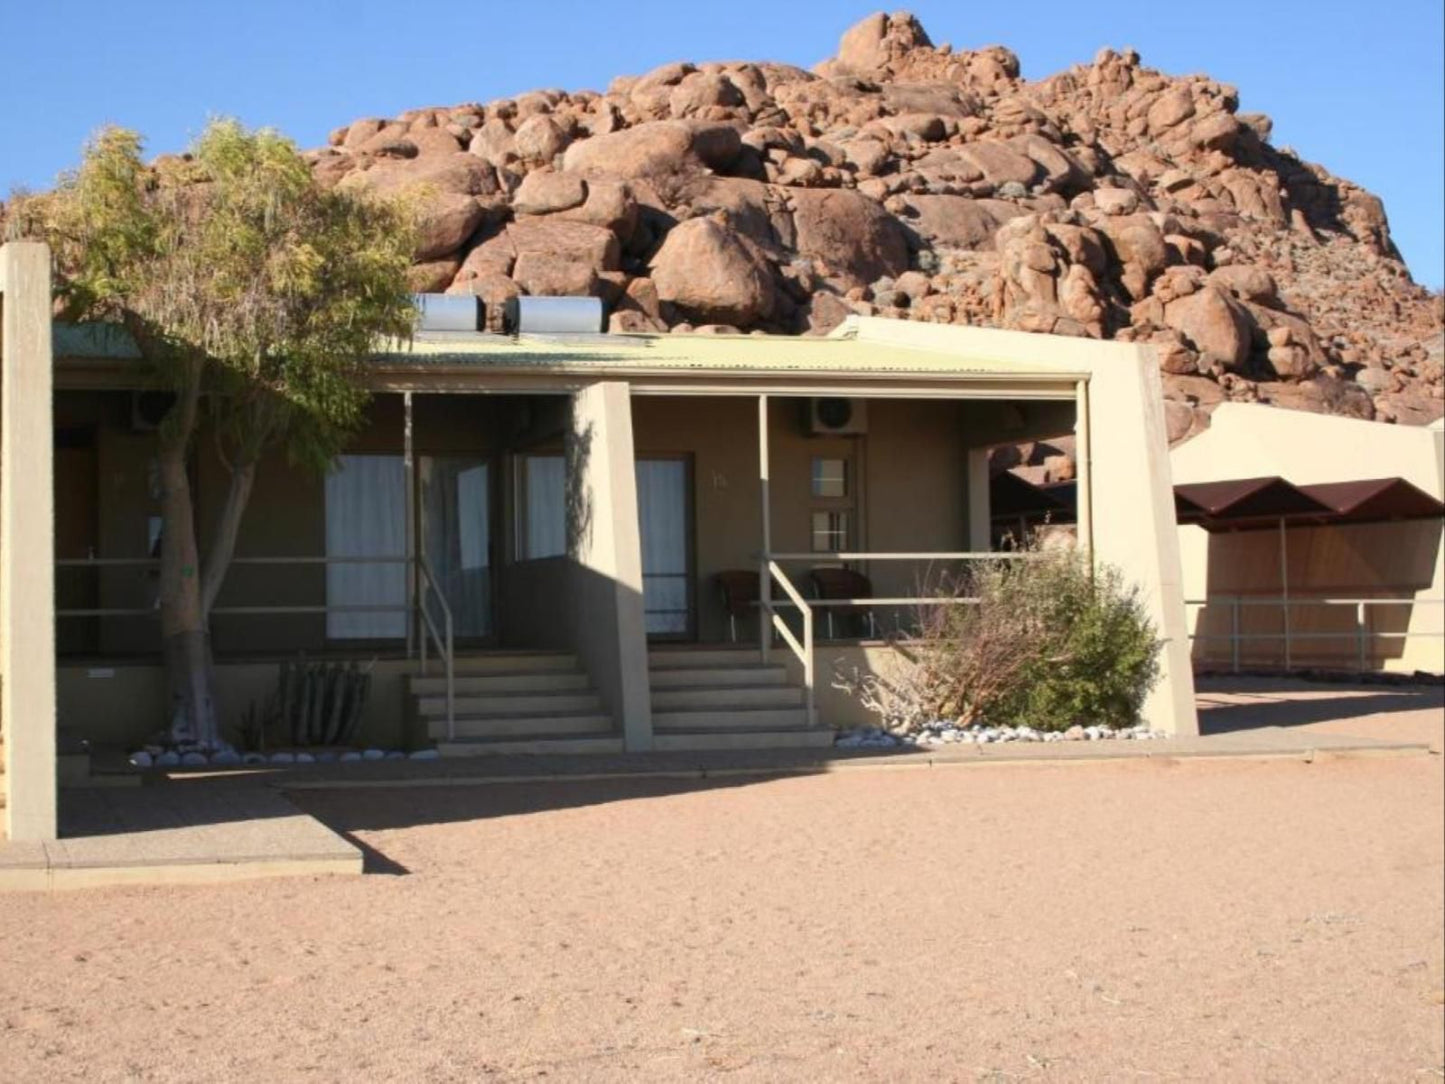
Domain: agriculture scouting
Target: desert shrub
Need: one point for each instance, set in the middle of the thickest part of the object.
(1044, 641)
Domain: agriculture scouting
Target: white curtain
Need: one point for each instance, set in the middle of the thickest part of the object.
(544, 481)
(662, 523)
(366, 517)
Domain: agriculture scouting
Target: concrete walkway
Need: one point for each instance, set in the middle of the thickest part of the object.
(1265, 743)
(199, 827)
(176, 832)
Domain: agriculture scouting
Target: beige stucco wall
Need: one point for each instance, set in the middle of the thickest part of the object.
(120, 704)
(27, 584)
(1405, 559)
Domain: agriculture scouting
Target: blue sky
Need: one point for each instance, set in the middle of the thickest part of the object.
(1356, 87)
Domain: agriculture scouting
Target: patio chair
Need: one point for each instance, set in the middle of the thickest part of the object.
(739, 589)
(839, 583)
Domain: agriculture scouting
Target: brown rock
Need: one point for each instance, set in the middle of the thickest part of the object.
(1246, 282)
(854, 237)
(957, 221)
(712, 274)
(1173, 107)
(433, 276)
(609, 204)
(1140, 247)
(445, 221)
(542, 192)
(999, 163)
(1214, 323)
(657, 148)
(539, 139)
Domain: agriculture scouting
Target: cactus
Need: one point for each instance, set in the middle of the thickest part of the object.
(319, 703)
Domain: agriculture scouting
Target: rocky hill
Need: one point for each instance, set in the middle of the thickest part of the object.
(914, 181)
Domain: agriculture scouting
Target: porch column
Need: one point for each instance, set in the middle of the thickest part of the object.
(27, 544)
(1133, 517)
(980, 512)
(605, 545)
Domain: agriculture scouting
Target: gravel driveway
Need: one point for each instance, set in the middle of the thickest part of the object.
(1226, 920)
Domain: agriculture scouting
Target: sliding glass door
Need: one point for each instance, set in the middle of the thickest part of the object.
(457, 538)
(663, 504)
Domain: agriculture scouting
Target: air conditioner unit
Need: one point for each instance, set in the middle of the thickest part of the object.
(148, 409)
(837, 417)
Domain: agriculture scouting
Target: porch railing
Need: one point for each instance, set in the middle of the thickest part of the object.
(443, 638)
(771, 573)
(1362, 634)
(444, 643)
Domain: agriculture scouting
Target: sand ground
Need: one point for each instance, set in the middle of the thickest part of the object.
(1221, 920)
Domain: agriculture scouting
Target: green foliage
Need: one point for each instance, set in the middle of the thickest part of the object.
(1040, 640)
(234, 270)
(1095, 656)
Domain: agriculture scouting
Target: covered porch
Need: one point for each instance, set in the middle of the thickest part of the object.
(613, 541)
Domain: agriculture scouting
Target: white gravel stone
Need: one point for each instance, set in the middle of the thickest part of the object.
(141, 759)
(351, 756)
(253, 758)
(168, 759)
(305, 758)
(426, 754)
(372, 754)
(283, 758)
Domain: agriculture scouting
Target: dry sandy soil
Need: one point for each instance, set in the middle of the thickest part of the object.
(1109, 921)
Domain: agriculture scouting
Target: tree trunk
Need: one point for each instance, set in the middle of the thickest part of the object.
(184, 633)
(228, 525)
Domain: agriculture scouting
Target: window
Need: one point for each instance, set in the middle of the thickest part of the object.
(542, 502)
(830, 532)
(830, 477)
(832, 505)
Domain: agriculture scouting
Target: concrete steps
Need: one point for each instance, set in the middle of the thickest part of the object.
(559, 743)
(727, 698)
(701, 697)
(514, 702)
(679, 741)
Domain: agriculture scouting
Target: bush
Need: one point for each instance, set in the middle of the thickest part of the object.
(1042, 642)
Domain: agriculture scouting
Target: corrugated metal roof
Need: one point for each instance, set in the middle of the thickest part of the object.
(713, 353)
(883, 349)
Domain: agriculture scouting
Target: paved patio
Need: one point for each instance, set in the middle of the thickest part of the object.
(182, 832)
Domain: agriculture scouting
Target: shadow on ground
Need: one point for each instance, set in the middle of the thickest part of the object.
(1231, 705)
(346, 811)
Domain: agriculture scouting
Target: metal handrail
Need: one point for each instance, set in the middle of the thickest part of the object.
(963, 555)
(444, 638)
(445, 647)
(804, 650)
(1362, 632)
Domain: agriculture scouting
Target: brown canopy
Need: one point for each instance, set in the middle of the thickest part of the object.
(1240, 504)
(1375, 500)
(1246, 502)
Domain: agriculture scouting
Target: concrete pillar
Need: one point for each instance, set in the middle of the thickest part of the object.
(1133, 518)
(980, 514)
(27, 543)
(606, 549)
